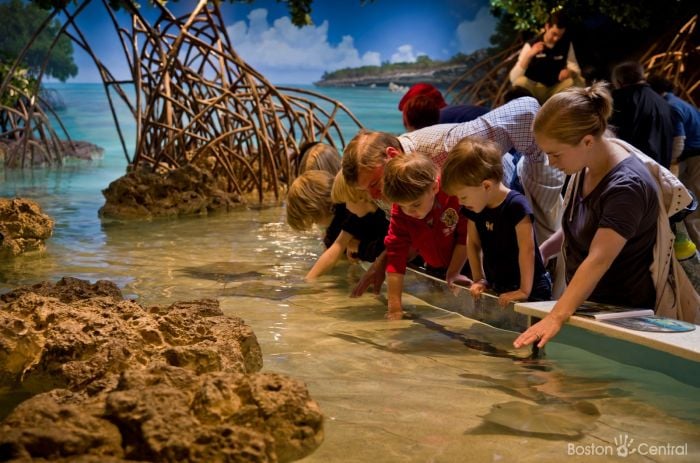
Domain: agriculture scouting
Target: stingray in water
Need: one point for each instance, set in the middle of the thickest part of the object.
(226, 272)
(271, 289)
(568, 420)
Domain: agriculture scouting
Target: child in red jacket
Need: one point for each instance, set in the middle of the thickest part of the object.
(424, 220)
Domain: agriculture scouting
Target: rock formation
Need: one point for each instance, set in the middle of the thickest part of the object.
(114, 381)
(191, 189)
(23, 227)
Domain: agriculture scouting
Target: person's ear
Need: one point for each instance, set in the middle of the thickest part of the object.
(487, 185)
(587, 141)
(436, 187)
(391, 152)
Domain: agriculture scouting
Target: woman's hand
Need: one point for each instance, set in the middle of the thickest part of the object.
(505, 298)
(541, 332)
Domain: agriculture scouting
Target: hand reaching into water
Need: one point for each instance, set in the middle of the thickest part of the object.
(541, 332)
(374, 276)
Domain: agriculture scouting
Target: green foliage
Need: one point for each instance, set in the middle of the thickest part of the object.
(21, 83)
(530, 15)
(19, 22)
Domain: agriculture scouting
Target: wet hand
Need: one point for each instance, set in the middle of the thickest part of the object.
(373, 277)
(511, 296)
(540, 333)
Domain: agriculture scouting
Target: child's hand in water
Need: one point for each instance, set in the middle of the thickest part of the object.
(395, 311)
(511, 296)
(477, 288)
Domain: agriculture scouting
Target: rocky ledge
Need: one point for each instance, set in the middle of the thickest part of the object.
(23, 227)
(111, 381)
(187, 190)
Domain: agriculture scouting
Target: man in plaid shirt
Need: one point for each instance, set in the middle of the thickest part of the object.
(510, 126)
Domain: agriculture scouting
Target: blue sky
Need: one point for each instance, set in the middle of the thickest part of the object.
(344, 34)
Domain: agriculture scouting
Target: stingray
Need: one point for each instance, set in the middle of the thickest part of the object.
(359, 340)
(549, 386)
(226, 272)
(275, 291)
(568, 420)
(484, 347)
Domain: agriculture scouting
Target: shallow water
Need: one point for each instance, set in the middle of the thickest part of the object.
(390, 391)
(413, 390)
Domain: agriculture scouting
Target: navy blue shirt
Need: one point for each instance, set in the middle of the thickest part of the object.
(499, 243)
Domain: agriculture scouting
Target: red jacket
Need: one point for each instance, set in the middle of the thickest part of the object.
(433, 237)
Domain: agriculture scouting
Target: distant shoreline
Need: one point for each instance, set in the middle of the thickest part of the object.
(438, 73)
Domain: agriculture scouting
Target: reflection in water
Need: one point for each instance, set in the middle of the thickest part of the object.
(411, 390)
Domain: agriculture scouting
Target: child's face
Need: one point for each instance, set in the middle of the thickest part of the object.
(361, 208)
(421, 206)
(473, 198)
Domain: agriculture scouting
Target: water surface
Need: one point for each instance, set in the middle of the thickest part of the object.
(412, 390)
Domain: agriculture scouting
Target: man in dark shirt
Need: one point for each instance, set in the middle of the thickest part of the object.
(549, 65)
(640, 115)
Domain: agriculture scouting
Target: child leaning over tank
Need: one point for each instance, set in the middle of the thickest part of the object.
(424, 220)
(501, 243)
(351, 222)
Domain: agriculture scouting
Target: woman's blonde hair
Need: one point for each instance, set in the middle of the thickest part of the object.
(309, 199)
(570, 115)
(470, 162)
(344, 193)
(408, 176)
(319, 156)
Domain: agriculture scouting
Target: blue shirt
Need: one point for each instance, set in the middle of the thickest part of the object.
(686, 121)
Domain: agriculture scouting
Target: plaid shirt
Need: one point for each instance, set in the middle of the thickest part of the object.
(510, 126)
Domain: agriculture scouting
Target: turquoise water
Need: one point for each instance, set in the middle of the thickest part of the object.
(413, 390)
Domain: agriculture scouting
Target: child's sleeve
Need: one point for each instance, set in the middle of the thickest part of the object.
(397, 243)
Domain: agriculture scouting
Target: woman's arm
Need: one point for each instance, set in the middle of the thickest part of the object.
(330, 256)
(526, 261)
(604, 249)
